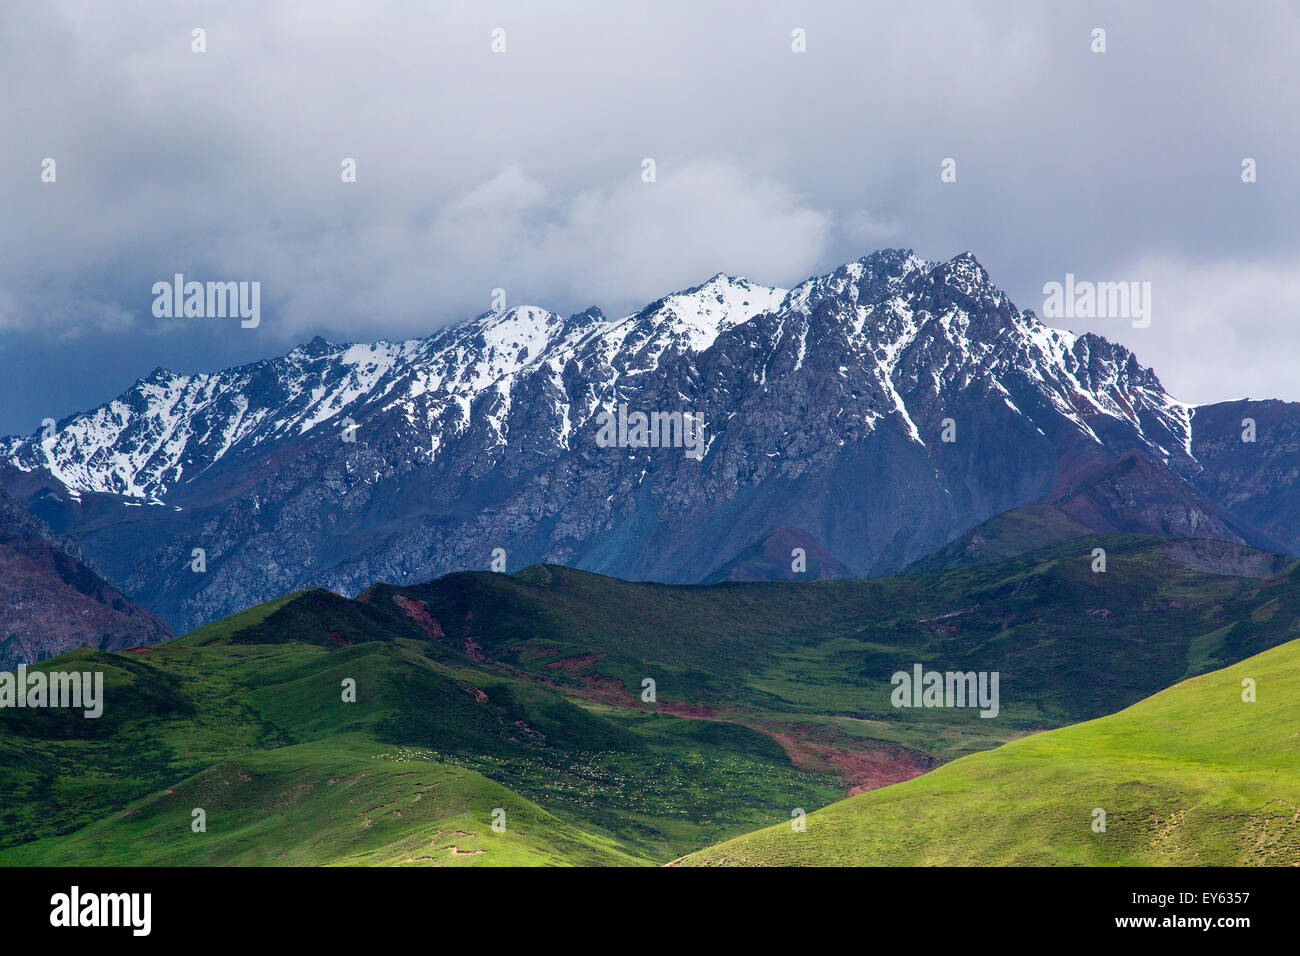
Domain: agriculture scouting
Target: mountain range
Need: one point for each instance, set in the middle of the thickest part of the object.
(869, 416)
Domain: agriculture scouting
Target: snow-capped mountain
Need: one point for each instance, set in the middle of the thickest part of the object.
(168, 430)
(882, 409)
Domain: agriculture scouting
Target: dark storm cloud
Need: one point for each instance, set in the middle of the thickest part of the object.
(523, 170)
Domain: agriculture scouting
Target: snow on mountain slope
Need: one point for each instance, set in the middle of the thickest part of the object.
(824, 409)
(168, 427)
(914, 327)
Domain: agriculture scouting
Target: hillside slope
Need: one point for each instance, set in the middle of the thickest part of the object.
(52, 601)
(1193, 775)
(529, 692)
(260, 738)
(328, 804)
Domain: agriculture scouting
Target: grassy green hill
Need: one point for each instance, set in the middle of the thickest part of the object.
(524, 692)
(250, 733)
(1194, 775)
(337, 802)
(816, 658)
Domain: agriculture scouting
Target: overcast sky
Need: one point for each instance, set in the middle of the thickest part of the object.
(522, 170)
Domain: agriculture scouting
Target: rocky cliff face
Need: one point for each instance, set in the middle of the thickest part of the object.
(51, 601)
(1259, 480)
(881, 410)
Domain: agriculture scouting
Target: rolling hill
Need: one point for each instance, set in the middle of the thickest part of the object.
(1194, 775)
(528, 692)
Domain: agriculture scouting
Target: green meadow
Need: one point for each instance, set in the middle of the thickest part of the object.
(1192, 776)
(617, 723)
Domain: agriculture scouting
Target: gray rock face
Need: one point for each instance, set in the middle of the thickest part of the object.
(825, 410)
(1259, 480)
(52, 601)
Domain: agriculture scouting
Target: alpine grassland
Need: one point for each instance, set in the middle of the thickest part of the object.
(555, 716)
(1199, 774)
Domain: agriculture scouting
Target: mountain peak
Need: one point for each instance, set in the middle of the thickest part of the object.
(693, 318)
(588, 316)
(964, 284)
(317, 347)
(718, 284)
(890, 259)
(965, 273)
